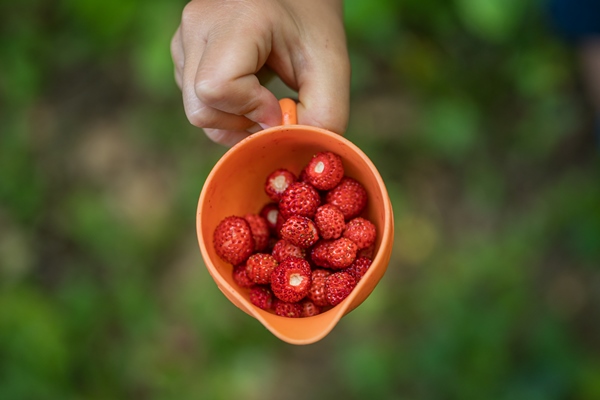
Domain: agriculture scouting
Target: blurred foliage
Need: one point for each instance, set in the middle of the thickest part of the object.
(472, 110)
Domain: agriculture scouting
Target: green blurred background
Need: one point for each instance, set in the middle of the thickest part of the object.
(472, 110)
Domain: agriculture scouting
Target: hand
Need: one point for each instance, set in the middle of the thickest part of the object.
(221, 45)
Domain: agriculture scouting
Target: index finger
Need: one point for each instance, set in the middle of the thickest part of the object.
(226, 80)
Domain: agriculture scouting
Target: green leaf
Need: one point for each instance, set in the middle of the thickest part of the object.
(451, 126)
(491, 20)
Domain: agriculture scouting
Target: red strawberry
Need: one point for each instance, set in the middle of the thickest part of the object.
(340, 253)
(324, 171)
(317, 292)
(309, 309)
(260, 266)
(272, 241)
(359, 267)
(299, 199)
(241, 277)
(286, 309)
(260, 231)
(368, 252)
(277, 182)
(270, 212)
(303, 177)
(290, 280)
(320, 253)
(233, 240)
(338, 286)
(284, 249)
(261, 297)
(279, 225)
(349, 196)
(299, 231)
(330, 221)
(361, 231)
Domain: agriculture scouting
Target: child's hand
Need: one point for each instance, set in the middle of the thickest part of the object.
(221, 45)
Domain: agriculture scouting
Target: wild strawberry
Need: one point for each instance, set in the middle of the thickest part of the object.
(319, 254)
(277, 182)
(303, 177)
(260, 231)
(299, 231)
(284, 249)
(260, 266)
(241, 277)
(338, 286)
(340, 253)
(324, 171)
(287, 309)
(270, 212)
(368, 252)
(309, 309)
(330, 221)
(359, 267)
(290, 280)
(279, 225)
(349, 196)
(299, 199)
(272, 242)
(233, 240)
(261, 297)
(361, 231)
(317, 292)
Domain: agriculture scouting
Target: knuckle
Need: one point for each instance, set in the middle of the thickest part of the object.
(175, 45)
(176, 55)
(211, 91)
(189, 15)
(200, 117)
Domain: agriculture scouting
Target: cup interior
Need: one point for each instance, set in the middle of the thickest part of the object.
(235, 186)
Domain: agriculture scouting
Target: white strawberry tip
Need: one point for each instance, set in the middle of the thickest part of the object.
(296, 279)
(279, 183)
(272, 216)
(320, 167)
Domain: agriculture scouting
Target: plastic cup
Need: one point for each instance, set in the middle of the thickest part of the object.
(235, 186)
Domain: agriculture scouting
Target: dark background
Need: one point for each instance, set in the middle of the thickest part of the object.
(473, 111)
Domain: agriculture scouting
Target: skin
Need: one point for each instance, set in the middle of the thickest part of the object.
(589, 54)
(222, 45)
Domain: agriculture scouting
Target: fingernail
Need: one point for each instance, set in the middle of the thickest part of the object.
(264, 126)
(254, 128)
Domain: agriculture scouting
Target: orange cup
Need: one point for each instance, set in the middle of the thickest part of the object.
(235, 186)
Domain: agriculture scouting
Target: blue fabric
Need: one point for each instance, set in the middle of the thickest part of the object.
(575, 19)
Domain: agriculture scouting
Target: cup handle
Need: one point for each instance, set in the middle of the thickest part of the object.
(289, 115)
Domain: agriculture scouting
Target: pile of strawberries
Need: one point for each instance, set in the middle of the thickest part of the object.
(306, 250)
